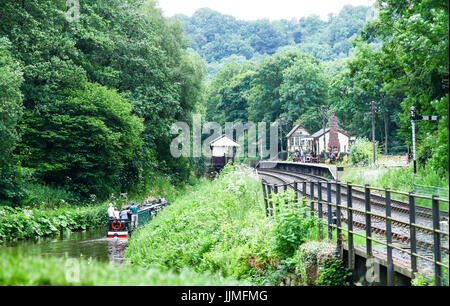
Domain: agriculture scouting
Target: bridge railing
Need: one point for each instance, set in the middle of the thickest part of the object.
(325, 200)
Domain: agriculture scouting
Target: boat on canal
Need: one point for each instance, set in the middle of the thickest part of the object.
(118, 228)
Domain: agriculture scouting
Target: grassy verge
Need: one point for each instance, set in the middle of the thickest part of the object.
(221, 227)
(210, 229)
(19, 270)
(400, 179)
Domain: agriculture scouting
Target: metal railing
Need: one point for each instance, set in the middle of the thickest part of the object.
(371, 234)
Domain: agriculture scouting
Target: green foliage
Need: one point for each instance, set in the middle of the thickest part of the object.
(289, 85)
(227, 99)
(427, 277)
(216, 36)
(291, 225)
(48, 197)
(303, 90)
(333, 273)
(412, 65)
(309, 257)
(401, 179)
(32, 270)
(24, 223)
(210, 229)
(90, 137)
(221, 227)
(354, 87)
(11, 109)
(361, 152)
(99, 95)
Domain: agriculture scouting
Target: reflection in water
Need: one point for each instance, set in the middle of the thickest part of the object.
(116, 246)
(91, 245)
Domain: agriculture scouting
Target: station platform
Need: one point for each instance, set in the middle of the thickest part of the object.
(301, 168)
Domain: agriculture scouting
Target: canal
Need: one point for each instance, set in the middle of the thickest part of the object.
(91, 245)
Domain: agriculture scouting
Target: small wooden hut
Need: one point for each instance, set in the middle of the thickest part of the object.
(222, 151)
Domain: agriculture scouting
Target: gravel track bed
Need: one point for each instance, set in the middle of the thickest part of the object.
(360, 205)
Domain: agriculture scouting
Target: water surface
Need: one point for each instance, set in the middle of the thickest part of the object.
(91, 244)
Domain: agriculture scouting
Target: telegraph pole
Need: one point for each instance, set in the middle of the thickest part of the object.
(413, 127)
(281, 136)
(373, 130)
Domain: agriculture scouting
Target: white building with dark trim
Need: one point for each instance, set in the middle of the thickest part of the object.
(300, 139)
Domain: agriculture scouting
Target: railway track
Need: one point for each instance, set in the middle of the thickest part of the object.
(376, 199)
(400, 230)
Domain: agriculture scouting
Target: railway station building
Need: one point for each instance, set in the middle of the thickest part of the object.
(299, 139)
(332, 139)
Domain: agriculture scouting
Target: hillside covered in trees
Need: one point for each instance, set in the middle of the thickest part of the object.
(222, 38)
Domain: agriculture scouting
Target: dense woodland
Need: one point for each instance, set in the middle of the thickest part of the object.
(87, 105)
(222, 39)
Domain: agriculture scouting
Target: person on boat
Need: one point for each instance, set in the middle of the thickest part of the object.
(134, 215)
(111, 211)
(116, 213)
(124, 216)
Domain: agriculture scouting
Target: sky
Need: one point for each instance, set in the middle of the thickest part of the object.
(260, 9)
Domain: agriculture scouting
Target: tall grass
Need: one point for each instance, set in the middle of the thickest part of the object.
(18, 269)
(208, 230)
(400, 179)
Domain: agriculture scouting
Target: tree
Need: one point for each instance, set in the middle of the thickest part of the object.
(304, 88)
(128, 49)
(84, 140)
(228, 94)
(415, 62)
(11, 111)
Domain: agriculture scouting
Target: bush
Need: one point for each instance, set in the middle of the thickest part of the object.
(361, 151)
(291, 224)
(333, 273)
(309, 257)
(43, 196)
(427, 278)
(94, 135)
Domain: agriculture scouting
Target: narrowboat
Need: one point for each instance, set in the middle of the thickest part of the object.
(118, 228)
